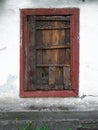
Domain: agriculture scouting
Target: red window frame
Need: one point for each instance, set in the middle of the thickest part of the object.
(74, 36)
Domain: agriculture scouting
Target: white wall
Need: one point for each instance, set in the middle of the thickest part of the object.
(10, 41)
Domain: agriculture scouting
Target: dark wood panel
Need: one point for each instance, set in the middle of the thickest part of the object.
(68, 57)
(46, 23)
(61, 55)
(66, 78)
(56, 57)
(25, 55)
(59, 76)
(39, 38)
(67, 32)
(52, 77)
(62, 37)
(53, 18)
(32, 53)
(50, 25)
(39, 57)
(42, 76)
(67, 36)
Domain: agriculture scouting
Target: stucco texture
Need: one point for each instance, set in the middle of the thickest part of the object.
(9, 56)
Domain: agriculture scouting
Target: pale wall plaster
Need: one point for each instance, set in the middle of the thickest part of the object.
(10, 43)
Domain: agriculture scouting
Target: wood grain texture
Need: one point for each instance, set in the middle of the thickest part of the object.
(65, 28)
(66, 78)
(52, 76)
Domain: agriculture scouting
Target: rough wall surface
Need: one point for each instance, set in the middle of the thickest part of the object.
(54, 121)
(9, 55)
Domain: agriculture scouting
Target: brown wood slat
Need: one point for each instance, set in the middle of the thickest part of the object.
(47, 57)
(55, 37)
(68, 56)
(56, 34)
(52, 28)
(52, 76)
(62, 37)
(53, 18)
(53, 47)
(52, 65)
(59, 76)
(62, 58)
(66, 78)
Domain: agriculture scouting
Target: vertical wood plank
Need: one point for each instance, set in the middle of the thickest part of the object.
(62, 56)
(52, 76)
(39, 57)
(46, 37)
(66, 78)
(55, 37)
(59, 76)
(55, 41)
(25, 54)
(47, 55)
(32, 57)
(39, 38)
(62, 37)
(46, 33)
(51, 38)
(67, 39)
(56, 33)
(45, 75)
(68, 57)
(50, 56)
(62, 33)
(67, 32)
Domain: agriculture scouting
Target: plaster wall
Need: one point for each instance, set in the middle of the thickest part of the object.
(10, 44)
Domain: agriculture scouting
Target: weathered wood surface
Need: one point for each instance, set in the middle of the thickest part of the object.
(49, 38)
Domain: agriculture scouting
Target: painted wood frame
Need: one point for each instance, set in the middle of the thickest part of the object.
(74, 36)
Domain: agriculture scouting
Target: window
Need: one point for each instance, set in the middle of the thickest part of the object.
(49, 52)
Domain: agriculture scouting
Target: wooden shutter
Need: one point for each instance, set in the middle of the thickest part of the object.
(48, 52)
(49, 38)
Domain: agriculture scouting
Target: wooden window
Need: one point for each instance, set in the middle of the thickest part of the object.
(49, 52)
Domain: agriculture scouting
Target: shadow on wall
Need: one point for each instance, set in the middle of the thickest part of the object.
(9, 88)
